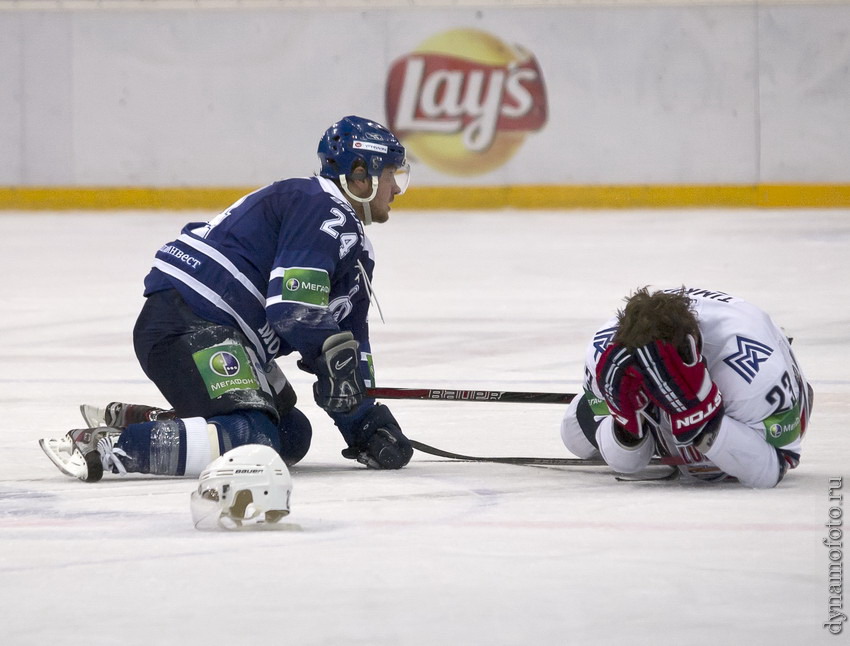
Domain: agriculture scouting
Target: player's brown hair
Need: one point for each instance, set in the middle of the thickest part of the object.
(658, 316)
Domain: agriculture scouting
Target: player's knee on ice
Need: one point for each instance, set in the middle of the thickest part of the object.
(295, 433)
(742, 452)
(578, 429)
(621, 457)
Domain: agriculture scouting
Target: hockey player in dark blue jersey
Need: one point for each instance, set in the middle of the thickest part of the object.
(285, 269)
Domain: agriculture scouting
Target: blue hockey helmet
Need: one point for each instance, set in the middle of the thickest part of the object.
(354, 141)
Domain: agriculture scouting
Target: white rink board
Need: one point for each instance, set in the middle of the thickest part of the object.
(440, 552)
(660, 94)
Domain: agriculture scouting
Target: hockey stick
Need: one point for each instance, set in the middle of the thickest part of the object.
(574, 462)
(509, 396)
(578, 462)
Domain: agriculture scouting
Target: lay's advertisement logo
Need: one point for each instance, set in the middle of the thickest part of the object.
(464, 101)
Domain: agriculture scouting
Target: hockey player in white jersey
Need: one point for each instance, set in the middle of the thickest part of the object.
(285, 269)
(700, 377)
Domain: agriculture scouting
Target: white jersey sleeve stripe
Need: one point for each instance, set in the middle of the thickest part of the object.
(276, 300)
(216, 255)
(216, 300)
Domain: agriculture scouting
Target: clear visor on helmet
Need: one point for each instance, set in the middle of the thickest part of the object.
(206, 510)
(402, 177)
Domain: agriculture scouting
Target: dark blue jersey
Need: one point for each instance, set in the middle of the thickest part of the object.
(287, 265)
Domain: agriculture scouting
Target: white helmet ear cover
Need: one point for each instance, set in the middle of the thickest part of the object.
(247, 486)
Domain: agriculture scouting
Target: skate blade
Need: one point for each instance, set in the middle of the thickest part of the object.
(71, 464)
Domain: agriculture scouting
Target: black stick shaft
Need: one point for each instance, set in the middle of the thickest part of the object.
(431, 450)
(509, 396)
(577, 462)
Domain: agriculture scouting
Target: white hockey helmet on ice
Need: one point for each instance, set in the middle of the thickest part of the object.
(248, 485)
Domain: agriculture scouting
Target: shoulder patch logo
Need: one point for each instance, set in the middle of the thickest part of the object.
(750, 355)
(306, 285)
(602, 339)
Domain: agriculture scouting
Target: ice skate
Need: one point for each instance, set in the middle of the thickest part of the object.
(85, 453)
(94, 416)
(121, 415)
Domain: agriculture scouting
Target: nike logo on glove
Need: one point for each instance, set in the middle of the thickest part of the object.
(339, 365)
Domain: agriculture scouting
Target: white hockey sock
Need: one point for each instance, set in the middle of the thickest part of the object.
(201, 444)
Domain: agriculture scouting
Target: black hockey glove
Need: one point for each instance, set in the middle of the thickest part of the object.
(340, 386)
(379, 442)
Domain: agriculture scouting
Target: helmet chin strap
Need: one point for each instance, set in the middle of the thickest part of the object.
(367, 209)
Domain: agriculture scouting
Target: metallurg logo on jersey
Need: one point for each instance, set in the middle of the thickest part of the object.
(464, 101)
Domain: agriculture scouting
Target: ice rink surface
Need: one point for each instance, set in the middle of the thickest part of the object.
(442, 552)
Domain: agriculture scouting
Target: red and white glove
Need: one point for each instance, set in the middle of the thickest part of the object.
(683, 390)
(622, 387)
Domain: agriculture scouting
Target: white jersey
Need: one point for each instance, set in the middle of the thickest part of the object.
(763, 388)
